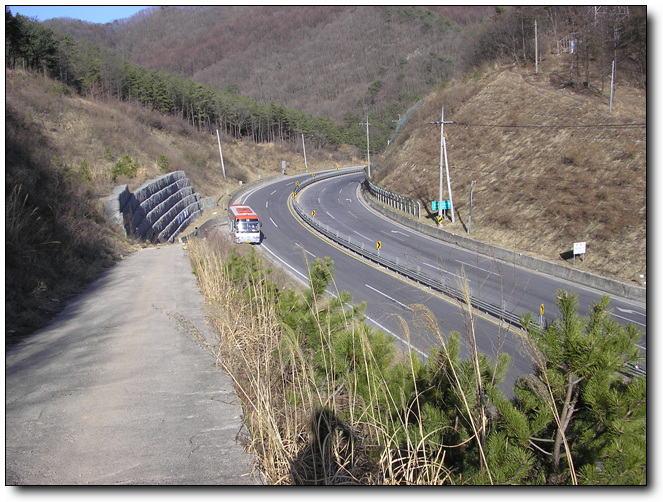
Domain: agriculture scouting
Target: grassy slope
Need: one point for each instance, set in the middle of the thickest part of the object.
(56, 239)
(538, 190)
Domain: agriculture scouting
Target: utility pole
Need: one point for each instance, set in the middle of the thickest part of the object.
(536, 48)
(368, 148)
(221, 154)
(444, 165)
(612, 85)
(469, 220)
(304, 147)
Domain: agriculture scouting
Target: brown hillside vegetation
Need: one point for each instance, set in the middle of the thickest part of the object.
(322, 60)
(59, 153)
(552, 166)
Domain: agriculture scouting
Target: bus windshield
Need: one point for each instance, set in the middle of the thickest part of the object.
(247, 226)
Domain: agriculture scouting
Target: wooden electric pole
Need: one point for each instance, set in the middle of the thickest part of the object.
(469, 220)
(221, 154)
(368, 148)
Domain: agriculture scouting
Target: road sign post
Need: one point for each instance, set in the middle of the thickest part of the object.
(579, 248)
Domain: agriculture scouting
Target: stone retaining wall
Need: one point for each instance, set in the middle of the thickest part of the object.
(157, 211)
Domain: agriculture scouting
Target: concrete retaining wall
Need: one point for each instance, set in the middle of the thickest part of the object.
(158, 210)
(609, 286)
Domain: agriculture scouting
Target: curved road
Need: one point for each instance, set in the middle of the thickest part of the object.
(518, 289)
(388, 296)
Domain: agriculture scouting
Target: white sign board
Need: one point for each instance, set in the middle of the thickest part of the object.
(579, 247)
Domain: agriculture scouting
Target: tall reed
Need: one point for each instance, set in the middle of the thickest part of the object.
(349, 413)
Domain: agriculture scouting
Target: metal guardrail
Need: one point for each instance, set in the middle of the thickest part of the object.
(389, 198)
(482, 306)
(416, 276)
(634, 371)
(326, 175)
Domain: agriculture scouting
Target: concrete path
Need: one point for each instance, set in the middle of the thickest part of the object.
(117, 390)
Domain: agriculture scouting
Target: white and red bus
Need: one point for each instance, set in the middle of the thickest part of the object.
(243, 224)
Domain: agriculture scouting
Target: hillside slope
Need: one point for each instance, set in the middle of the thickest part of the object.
(60, 152)
(552, 166)
(322, 60)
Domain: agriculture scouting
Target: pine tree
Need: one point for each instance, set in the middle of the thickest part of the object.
(587, 421)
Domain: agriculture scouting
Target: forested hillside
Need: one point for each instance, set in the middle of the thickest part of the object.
(322, 60)
(265, 76)
(340, 63)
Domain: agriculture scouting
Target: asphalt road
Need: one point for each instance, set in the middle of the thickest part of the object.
(293, 244)
(517, 289)
(118, 389)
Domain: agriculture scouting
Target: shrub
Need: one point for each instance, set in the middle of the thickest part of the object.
(125, 167)
(84, 171)
(163, 164)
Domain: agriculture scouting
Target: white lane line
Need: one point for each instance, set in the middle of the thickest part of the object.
(631, 311)
(629, 320)
(273, 222)
(360, 235)
(388, 297)
(396, 336)
(304, 249)
(442, 270)
(478, 268)
(305, 278)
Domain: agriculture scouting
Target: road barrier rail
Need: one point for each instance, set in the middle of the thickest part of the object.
(496, 311)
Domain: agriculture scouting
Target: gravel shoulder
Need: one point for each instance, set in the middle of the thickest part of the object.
(119, 390)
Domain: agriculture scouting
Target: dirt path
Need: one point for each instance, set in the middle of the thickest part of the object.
(116, 391)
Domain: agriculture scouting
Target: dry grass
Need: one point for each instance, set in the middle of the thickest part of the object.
(538, 190)
(276, 386)
(306, 431)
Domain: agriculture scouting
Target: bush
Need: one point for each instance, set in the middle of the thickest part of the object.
(125, 167)
(163, 164)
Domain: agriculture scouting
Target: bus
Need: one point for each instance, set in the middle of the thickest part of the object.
(243, 224)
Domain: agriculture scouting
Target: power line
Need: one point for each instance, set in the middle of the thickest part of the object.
(550, 178)
(542, 126)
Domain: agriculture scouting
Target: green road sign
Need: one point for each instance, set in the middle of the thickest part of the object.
(435, 205)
